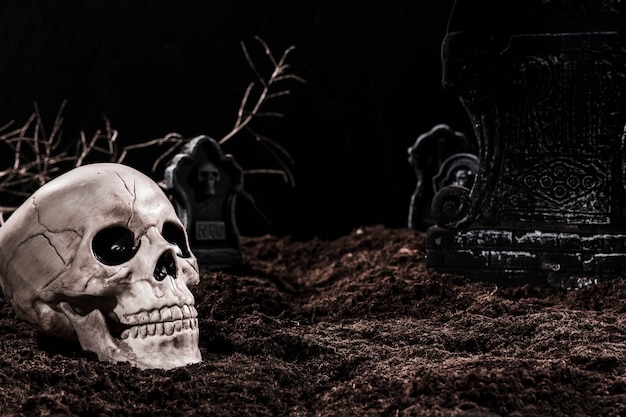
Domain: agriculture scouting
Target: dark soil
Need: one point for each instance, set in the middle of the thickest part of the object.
(350, 327)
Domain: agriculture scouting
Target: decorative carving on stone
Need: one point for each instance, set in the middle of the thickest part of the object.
(439, 157)
(203, 184)
(543, 84)
(459, 169)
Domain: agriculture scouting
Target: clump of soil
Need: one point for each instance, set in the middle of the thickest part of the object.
(353, 326)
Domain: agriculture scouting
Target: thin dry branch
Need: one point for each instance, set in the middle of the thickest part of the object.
(38, 157)
(175, 141)
(247, 110)
(279, 154)
(278, 172)
(264, 89)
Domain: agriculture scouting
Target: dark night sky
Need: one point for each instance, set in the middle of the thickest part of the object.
(373, 86)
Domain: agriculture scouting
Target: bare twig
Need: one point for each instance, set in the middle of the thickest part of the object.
(37, 156)
(280, 154)
(175, 140)
(248, 111)
(254, 205)
(264, 89)
(279, 172)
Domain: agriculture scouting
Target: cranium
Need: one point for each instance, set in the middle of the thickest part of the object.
(99, 255)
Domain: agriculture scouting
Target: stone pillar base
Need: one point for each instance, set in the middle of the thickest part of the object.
(509, 257)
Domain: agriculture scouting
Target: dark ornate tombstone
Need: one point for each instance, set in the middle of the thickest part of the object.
(440, 157)
(203, 184)
(543, 83)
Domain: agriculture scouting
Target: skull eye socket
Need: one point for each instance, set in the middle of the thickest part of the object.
(176, 237)
(114, 245)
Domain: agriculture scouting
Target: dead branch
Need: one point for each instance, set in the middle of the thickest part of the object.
(248, 111)
(175, 140)
(269, 88)
(38, 156)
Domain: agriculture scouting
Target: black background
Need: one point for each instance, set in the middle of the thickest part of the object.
(373, 85)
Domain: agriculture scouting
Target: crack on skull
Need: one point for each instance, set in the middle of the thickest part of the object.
(86, 284)
(52, 278)
(66, 262)
(133, 193)
(49, 229)
(132, 204)
(192, 265)
(124, 183)
(145, 233)
(36, 208)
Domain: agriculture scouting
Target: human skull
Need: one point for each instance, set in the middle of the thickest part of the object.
(99, 255)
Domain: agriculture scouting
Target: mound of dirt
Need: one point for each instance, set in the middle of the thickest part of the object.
(350, 327)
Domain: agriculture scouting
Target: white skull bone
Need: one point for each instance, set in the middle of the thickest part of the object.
(99, 255)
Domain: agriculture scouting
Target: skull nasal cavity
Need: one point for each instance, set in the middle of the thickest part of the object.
(166, 265)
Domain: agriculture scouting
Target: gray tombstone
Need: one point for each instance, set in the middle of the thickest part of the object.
(440, 157)
(544, 85)
(203, 184)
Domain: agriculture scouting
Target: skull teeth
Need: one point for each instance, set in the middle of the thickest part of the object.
(167, 328)
(158, 322)
(164, 314)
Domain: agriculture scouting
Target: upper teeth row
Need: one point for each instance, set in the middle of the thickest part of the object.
(164, 314)
(158, 329)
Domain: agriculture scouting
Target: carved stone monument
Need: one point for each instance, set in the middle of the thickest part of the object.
(203, 184)
(543, 83)
(440, 157)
